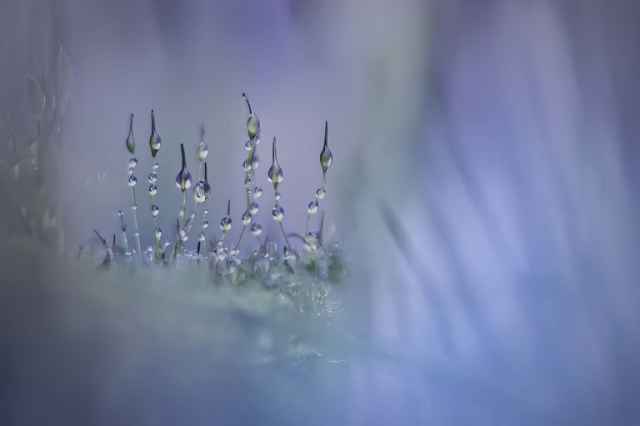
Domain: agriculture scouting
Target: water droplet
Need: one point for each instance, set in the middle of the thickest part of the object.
(183, 180)
(321, 193)
(133, 162)
(256, 229)
(182, 212)
(249, 145)
(255, 163)
(254, 208)
(155, 141)
(277, 196)
(246, 165)
(131, 141)
(155, 210)
(225, 224)
(253, 126)
(155, 166)
(158, 234)
(257, 192)
(275, 173)
(120, 213)
(205, 212)
(153, 190)
(152, 178)
(246, 218)
(202, 237)
(183, 235)
(312, 208)
(205, 224)
(132, 181)
(202, 151)
(326, 156)
(199, 192)
(278, 213)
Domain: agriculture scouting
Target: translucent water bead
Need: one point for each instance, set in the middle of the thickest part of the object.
(202, 151)
(321, 193)
(253, 123)
(183, 180)
(246, 218)
(256, 229)
(249, 145)
(326, 156)
(312, 208)
(257, 192)
(132, 181)
(200, 193)
(225, 224)
(133, 162)
(155, 210)
(155, 141)
(202, 238)
(277, 196)
(278, 213)
(205, 224)
(153, 190)
(155, 167)
(158, 234)
(131, 141)
(152, 178)
(254, 208)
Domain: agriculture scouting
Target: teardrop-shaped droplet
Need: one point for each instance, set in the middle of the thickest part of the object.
(246, 165)
(225, 224)
(321, 193)
(312, 208)
(275, 173)
(202, 151)
(278, 213)
(152, 178)
(155, 141)
(132, 181)
(153, 190)
(254, 208)
(277, 196)
(256, 229)
(249, 145)
(133, 162)
(205, 212)
(246, 218)
(326, 156)
(155, 210)
(199, 193)
(257, 192)
(131, 141)
(183, 179)
(205, 224)
(253, 123)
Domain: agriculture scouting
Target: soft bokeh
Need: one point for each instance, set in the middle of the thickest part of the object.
(483, 188)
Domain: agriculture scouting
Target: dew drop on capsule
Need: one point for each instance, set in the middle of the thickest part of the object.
(131, 141)
(321, 193)
(155, 210)
(246, 218)
(254, 208)
(155, 141)
(153, 190)
(199, 193)
(183, 180)
(312, 208)
(225, 224)
(132, 181)
(256, 229)
(278, 213)
(202, 151)
(326, 156)
(257, 192)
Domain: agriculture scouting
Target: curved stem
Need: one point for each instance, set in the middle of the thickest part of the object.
(246, 99)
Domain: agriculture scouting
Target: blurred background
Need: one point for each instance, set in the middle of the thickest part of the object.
(483, 190)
